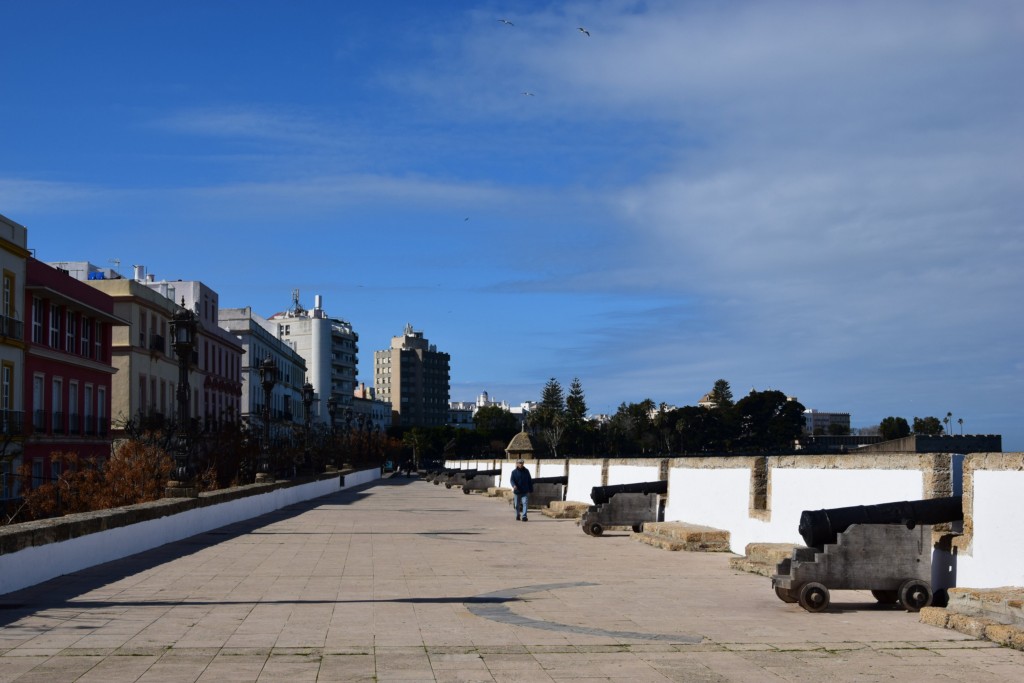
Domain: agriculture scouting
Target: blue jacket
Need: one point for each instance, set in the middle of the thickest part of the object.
(522, 482)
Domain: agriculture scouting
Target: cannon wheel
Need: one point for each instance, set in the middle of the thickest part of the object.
(915, 594)
(596, 529)
(447, 486)
(465, 490)
(814, 597)
(638, 527)
(886, 597)
(784, 594)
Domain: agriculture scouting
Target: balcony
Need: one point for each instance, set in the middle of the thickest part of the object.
(58, 422)
(12, 422)
(74, 424)
(9, 327)
(90, 426)
(158, 343)
(39, 420)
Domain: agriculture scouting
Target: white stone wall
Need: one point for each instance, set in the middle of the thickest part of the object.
(583, 476)
(996, 552)
(36, 564)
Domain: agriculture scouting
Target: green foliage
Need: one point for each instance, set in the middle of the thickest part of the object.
(927, 426)
(894, 428)
(721, 394)
(768, 421)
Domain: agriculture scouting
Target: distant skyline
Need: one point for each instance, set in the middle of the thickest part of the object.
(821, 198)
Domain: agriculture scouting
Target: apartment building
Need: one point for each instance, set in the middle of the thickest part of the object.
(331, 349)
(414, 377)
(13, 255)
(68, 369)
(258, 337)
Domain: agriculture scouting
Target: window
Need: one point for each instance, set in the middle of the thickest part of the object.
(38, 403)
(37, 320)
(70, 331)
(6, 382)
(86, 338)
(73, 416)
(56, 406)
(54, 326)
(142, 329)
(142, 394)
(101, 409)
(98, 341)
(8, 309)
(90, 426)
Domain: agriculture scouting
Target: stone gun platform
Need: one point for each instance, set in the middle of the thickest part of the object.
(405, 581)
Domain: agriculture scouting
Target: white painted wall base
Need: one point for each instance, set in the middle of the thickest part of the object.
(37, 564)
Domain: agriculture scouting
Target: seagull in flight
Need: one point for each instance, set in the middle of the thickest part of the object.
(506, 22)
(527, 93)
(584, 31)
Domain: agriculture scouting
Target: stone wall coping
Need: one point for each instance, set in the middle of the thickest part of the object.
(15, 537)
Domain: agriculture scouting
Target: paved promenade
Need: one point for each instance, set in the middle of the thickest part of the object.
(406, 581)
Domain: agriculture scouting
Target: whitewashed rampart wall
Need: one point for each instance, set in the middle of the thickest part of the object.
(991, 551)
(759, 499)
(583, 476)
(39, 563)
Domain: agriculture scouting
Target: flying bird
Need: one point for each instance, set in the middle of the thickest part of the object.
(584, 31)
(527, 93)
(506, 22)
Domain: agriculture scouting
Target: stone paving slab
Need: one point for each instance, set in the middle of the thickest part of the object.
(405, 581)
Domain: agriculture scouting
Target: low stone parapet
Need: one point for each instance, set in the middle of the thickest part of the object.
(682, 536)
(993, 614)
(565, 509)
(762, 558)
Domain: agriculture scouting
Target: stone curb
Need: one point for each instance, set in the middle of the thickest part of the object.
(977, 627)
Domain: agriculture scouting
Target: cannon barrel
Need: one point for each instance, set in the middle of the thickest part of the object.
(564, 480)
(601, 494)
(818, 527)
(488, 473)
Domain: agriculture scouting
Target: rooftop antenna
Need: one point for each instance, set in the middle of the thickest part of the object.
(296, 306)
(117, 264)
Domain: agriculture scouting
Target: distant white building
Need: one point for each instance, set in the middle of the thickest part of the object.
(330, 347)
(820, 422)
(259, 342)
(461, 413)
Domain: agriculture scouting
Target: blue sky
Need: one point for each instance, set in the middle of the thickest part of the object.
(824, 198)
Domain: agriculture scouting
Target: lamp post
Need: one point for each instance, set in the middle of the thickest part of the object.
(183, 332)
(332, 410)
(268, 378)
(307, 403)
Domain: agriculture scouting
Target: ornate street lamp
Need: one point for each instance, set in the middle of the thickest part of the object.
(332, 410)
(183, 333)
(307, 403)
(268, 378)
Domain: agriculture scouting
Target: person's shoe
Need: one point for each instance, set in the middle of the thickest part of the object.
(525, 519)
(518, 518)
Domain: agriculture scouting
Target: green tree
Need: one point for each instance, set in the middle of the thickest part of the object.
(576, 402)
(769, 421)
(927, 426)
(721, 394)
(894, 428)
(495, 419)
(549, 420)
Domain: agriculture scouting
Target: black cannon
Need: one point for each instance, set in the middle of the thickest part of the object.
(885, 548)
(623, 505)
(480, 480)
(445, 476)
(818, 527)
(563, 480)
(602, 494)
(459, 477)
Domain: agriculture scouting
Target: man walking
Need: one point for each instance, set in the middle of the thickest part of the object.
(522, 487)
